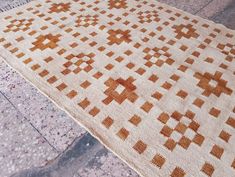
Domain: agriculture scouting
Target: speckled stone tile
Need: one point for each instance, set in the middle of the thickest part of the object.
(226, 15)
(9, 4)
(216, 6)
(191, 6)
(21, 146)
(54, 124)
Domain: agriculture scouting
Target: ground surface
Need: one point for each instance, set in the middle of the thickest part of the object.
(40, 140)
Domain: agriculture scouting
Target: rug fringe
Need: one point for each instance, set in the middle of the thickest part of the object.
(13, 5)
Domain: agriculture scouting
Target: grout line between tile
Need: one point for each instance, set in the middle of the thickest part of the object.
(199, 10)
(29, 122)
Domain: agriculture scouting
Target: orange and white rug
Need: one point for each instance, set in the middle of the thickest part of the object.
(154, 84)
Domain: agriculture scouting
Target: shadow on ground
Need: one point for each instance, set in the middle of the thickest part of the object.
(83, 150)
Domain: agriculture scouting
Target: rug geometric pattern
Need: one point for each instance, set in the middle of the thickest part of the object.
(153, 83)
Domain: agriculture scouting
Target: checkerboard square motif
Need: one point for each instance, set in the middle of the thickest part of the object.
(152, 83)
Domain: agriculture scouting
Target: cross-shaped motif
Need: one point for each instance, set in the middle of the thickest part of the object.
(79, 62)
(120, 90)
(212, 84)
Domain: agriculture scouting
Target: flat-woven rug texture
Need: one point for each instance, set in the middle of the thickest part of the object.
(151, 82)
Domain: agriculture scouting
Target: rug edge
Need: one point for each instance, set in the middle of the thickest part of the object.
(23, 5)
(90, 130)
(195, 15)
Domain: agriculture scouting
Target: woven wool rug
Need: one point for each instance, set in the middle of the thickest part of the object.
(154, 84)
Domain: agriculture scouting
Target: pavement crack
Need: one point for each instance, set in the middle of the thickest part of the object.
(199, 10)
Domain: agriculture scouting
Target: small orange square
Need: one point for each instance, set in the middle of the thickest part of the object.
(183, 47)
(163, 117)
(130, 65)
(198, 139)
(123, 133)
(44, 73)
(62, 51)
(97, 75)
(20, 39)
(175, 77)
(101, 49)
(52, 79)
(72, 94)
(176, 115)
(182, 68)
(182, 94)
(128, 52)
(217, 151)
(73, 45)
(140, 71)
(166, 131)
(178, 172)
(181, 128)
(190, 114)
(137, 45)
(159, 62)
(194, 125)
(198, 102)
(171, 42)
(61, 86)
(147, 106)
(170, 144)
(184, 142)
(208, 169)
(135, 120)
(107, 122)
(202, 46)
(169, 61)
(140, 147)
(85, 84)
(84, 103)
(162, 38)
(167, 85)
(20, 55)
(28, 60)
(35, 67)
(153, 78)
(110, 54)
(94, 111)
(224, 136)
(157, 95)
(233, 164)
(119, 59)
(48, 59)
(109, 66)
(158, 160)
(209, 60)
(66, 71)
(214, 112)
(231, 122)
(148, 64)
(196, 53)
(189, 60)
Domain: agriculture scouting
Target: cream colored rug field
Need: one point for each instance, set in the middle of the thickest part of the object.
(152, 83)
